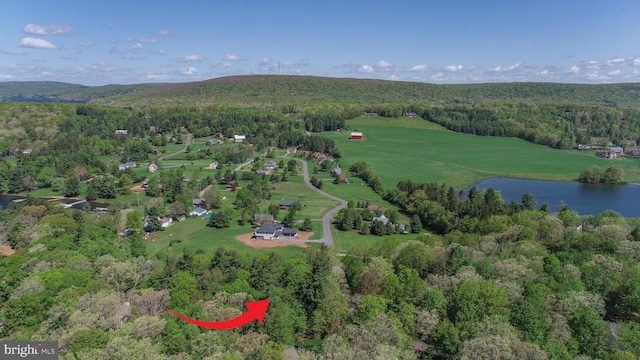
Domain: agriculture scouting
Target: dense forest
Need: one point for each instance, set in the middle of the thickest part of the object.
(503, 282)
(276, 91)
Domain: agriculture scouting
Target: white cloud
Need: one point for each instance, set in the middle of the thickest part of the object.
(574, 69)
(593, 64)
(438, 77)
(190, 71)
(384, 64)
(13, 52)
(221, 65)
(37, 43)
(163, 33)
(103, 67)
(155, 77)
(422, 67)
(266, 61)
(111, 24)
(615, 61)
(615, 72)
(137, 46)
(148, 41)
(231, 57)
(366, 69)
(6, 76)
(85, 44)
(36, 29)
(162, 52)
(545, 72)
(501, 68)
(454, 68)
(190, 58)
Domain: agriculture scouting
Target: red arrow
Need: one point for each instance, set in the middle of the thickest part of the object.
(257, 310)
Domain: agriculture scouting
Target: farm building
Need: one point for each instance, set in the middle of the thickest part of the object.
(239, 138)
(356, 136)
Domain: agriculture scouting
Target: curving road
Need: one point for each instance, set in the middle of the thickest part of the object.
(327, 238)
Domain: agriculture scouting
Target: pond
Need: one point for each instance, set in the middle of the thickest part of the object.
(6, 199)
(586, 199)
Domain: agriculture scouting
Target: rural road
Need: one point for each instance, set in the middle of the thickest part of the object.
(327, 238)
(184, 149)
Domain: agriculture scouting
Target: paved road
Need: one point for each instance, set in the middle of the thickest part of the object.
(326, 219)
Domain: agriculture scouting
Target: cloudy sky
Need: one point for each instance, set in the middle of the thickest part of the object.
(98, 42)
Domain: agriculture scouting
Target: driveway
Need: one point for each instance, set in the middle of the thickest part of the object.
(326, 219)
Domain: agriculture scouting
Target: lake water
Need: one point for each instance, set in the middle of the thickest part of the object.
(6, 199)
(584, 198)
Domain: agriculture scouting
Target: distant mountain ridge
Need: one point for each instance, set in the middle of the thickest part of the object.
(277, 90)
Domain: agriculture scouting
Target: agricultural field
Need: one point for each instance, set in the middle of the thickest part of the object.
(415, 149)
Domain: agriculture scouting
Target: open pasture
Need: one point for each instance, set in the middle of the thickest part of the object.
(421, 151)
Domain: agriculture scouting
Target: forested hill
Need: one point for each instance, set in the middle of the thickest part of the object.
(65, 92)
(273, 90)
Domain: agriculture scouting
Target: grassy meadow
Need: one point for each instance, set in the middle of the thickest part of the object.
(416, 149)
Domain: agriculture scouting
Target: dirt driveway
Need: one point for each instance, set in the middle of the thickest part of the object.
(263, 244)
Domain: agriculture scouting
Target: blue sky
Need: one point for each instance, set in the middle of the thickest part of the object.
(93, 42)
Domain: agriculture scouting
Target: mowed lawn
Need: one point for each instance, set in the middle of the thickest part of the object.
(422, 151)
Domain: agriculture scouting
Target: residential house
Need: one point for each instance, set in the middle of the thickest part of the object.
(343, 179)
(271, 165)
(239, 138)
(286, 203)
(617, 150)
(211, 142)
(274, 232)
(122, 132)
(336, 171)
(376, 208)
(259, 219)
(356, 135)
(197, 212)
(126, 165)
(212, 166)
(292, 150)
(27, 151)
(166, 221)
(157, 152)
(219, 135)
(153, 167)
(381, 218)
(153, 129)
(369, 114)
(198, 203)
(230, 185)
(263, 172)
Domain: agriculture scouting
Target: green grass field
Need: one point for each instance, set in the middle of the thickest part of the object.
(193, 234)
(422, 151)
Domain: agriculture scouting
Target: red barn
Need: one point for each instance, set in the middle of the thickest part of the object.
(356, 136)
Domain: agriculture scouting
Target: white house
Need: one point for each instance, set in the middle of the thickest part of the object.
(126, 165)
(239, 138)
(212, 166)
(271, 165)
(122, 132)
(153, 167)
(166, 221)
(273, 232)
(197, 212)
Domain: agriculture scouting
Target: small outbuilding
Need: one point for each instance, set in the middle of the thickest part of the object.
(356, 136)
